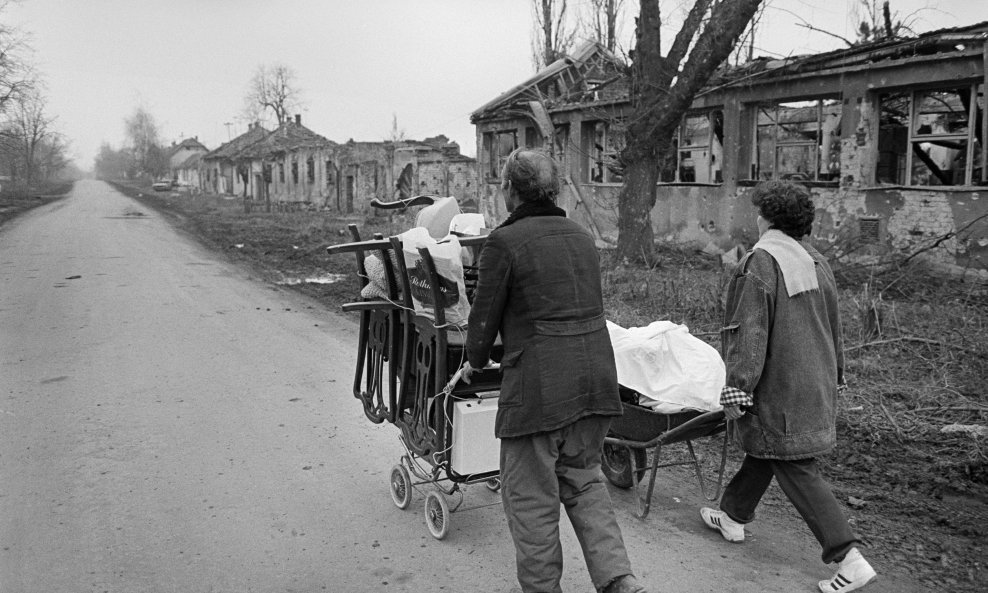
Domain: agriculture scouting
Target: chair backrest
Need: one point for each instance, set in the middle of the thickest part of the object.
(438, 299)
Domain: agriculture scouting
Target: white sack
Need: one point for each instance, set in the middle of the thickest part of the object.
(436, 216)
(668, 366)
(446, 256)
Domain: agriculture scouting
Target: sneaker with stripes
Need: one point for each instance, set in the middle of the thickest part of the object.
(853, 572)
(729, 528)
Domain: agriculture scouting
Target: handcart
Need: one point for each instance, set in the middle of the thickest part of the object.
(407, 374)
(639, 429)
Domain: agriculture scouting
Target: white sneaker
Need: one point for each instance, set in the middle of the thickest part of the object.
(853, 572)
(729, 528)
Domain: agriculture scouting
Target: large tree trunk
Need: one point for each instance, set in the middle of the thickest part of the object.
(663, 88)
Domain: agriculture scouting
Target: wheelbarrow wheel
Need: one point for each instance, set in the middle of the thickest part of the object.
(401, 487)
(493, 484)
(437, 515)
(616, 464)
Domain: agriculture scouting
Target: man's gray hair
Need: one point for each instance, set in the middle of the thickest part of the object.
(533, 173)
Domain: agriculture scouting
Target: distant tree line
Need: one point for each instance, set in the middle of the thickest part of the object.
(143, 155)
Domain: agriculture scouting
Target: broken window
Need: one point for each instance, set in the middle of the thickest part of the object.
(295, 172)
(281, 172)
(497, 147)
(603, 143)
(310, 170)
(932, 137)
(798, 140)
(560, 141)
(533, 138)
(700, 148)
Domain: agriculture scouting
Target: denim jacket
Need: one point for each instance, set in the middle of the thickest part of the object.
(788, 353)
(539, 286)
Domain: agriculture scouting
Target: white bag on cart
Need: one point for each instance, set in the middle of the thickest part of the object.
(668, 366)
(446, 255)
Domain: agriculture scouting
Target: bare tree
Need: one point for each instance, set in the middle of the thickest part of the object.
(29, 127)
(600, 22)
(744, 50)
(273, 89)
(16, 75)
(552, 37)
(141, 132)
(663, 87)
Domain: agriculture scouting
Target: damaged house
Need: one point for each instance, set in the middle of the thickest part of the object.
(287, 167)
(389, 170)
(888, 136)
(293, 168)
(218, 172)
(181, 155)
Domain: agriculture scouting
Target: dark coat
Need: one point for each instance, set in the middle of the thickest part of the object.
(540, 287)
(787, 352)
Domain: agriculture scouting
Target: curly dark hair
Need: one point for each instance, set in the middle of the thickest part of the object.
(786, 206)
(533, 173)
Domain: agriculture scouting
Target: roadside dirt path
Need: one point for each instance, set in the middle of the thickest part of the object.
(169, 423)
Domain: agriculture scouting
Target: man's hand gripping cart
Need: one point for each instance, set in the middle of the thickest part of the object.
(407, 374)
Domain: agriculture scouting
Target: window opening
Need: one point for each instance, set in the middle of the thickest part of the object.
(497, 147)
(606, 140)
(932, 137)
(798, 140)
(700, 148)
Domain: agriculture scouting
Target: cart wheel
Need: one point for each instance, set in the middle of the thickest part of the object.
(493, 484)
(436, 515)
(401, 487)
(616, 464)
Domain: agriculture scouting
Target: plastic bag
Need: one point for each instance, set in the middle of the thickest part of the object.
(437, 216)
(446, 256)
(668, 366)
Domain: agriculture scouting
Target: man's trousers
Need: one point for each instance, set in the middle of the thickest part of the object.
(537, 473)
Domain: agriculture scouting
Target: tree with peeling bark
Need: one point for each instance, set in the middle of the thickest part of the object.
(663, 87)
(552, 37)
(273, 90)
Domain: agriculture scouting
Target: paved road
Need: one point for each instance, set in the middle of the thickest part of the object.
(169, 424)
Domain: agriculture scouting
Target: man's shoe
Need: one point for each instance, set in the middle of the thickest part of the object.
(853, 572)
(625, 584)
(729, 528)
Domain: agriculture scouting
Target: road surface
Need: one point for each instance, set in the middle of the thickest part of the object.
(170, 424)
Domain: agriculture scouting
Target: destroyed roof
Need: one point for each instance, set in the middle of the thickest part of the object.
(592, 72)
(941, 42)
(230, 149)
(289, 136)
(596, 89)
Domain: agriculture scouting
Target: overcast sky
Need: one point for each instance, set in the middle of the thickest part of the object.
(430, 63)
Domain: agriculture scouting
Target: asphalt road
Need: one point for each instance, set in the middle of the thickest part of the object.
(170, 424)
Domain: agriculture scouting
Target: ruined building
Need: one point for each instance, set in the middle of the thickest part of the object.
(889, 137)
